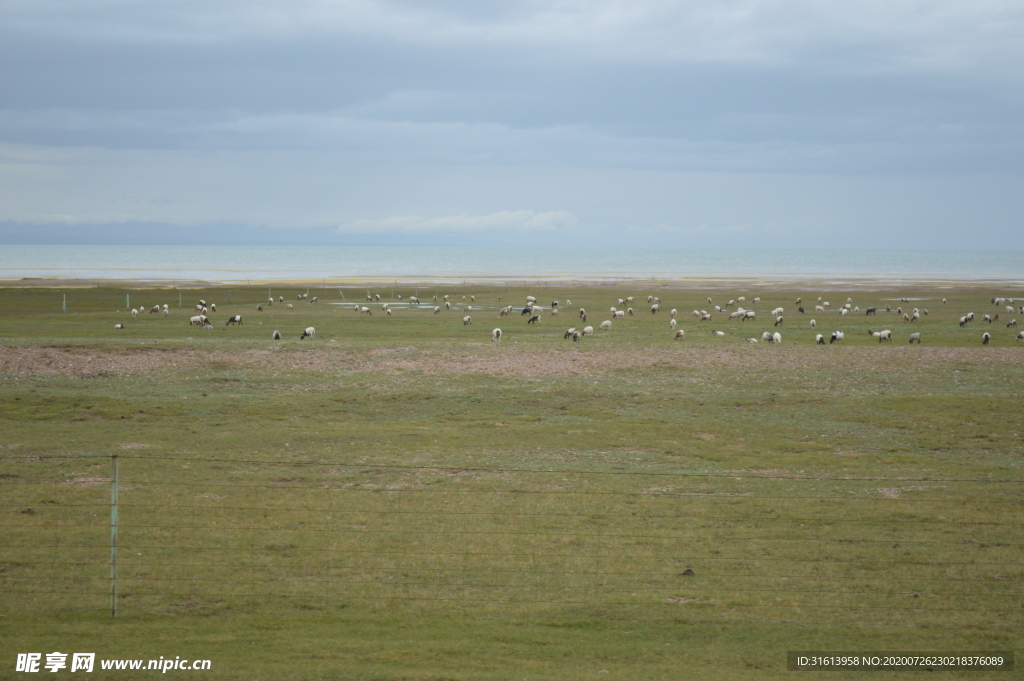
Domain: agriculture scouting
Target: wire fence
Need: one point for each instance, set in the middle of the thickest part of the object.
(187, 534)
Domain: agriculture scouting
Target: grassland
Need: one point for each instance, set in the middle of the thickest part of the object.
(400, 498)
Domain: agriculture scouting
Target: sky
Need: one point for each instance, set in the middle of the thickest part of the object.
(523, 123)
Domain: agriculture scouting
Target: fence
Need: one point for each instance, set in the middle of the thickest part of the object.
(187, 534)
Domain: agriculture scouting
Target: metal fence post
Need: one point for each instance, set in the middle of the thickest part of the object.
(113, 537)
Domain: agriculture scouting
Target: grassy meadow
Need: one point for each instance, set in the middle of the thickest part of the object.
(401, 498)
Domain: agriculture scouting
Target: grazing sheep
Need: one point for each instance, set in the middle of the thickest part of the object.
(943, 301)
(606, 325)
(837, 337)
(567, 301)
(467, 320)
(620, 314)
(742, 299)
(204, 311)
(629, 300)
(207, 327)
(906, 317)
(588, 331)
(819, 308)
(259, 308)
(197, 320)
(612, 310)
(630, 312)
(749, 314)
(472, 299)
(447, 305)
(885, 336)
(1009, 309)
(202, 303)
(437, 310)
(798, 301)
(776, 337)
(213, 307)
(679, 334)
(766, 336)
(534, 319)
(819, 339)
(800, 309)
(308, 333)
(970, 316)
(469, 308)
(1012, 324)
(529, 299)
(985, 338)
(289, 306)
(280, 299)
(135, 313)
(986, 318)
(313, 300)
(718, 308)
(673, 312)
(672, 323)
(915, 337)
(718, 333)
(270, 301)
(621, 301)
(388, 311)
(778, 320)
(554, 312)
(870, 311)
(118, 326)
(569, 332)
(963, 320)
(826, 305)
(583, 313)
(843, 312)
(277, 335)
(156, 309)
(1020, 336)
(496, 335)
(757, 300)
(376, 297)
(696, 313)
(413, 300)
(237, 319)
(777, 312)
(814, 324)
(166, 312)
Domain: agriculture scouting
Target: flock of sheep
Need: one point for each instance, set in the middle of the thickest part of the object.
(535, 312)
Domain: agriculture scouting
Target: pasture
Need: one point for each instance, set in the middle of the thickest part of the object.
(399, 497)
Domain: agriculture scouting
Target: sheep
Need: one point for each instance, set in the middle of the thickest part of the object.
(156, 309)
(696, 313)
(742, 299)
(583, 313)
(914, 317)
(778, 320)
(819, 308)
(776, 337)
(259, 308)
(447, 305)
(213, 307)
(679, 334)
(826, 305)
(814, 324)
(197, 320)
(766, 336)
(165, 306)
(750, 340)
(567, 301)
(588, 331)
(529, 299)
(1012, 324)
(472, 299)
(718, 308)
(612, 309)
(718, 333)
(885, 336)
(986, 318)
(606, 325)
(237, 319)
(650, 299)
(365, 310)
(943, 301)
(308, 333)
(376, 297)
(413, 300)
(819, 339)
(870, 311)
(280, 299)
(135, 313)
(276, 335)
(915, 337)
(1020, 336)
(843, 312)
(730, 303)
(289, 306)
(672, 324)
(467, 320)
(166, 312)
(202, 303)
(706, 317)
(906, 317)
(534, 319)
(621, 301)
(437, 310)
(526, 310)
(888, 308)
(496, 335)
(204, 311)
(798, 301)
(207, 327)
(673, 312)
(270, 301)
(757, 300)
(738, 314)
(1009, 309)
(749, 314)
(970, 316)
(621, 314)
(800, 309)
(985, 338)
(575, 336)
(777, 312)
(313, 300)
(837, 337)
(963, 320)
(709, 300)
(569, 332)
(118, 326)
(630, 312)
(388, 311)
(469, 308)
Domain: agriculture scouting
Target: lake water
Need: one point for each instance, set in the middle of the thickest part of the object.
(268, 263)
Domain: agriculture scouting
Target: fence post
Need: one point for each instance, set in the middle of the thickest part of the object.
(113, 537)
(127, 301)
(64, 304)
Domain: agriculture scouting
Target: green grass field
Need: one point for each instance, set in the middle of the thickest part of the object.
(401, 498)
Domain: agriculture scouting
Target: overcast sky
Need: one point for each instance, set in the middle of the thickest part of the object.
(868, 124)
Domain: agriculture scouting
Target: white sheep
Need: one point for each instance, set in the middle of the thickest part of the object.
(718, 308)
(749, 314)
(447, 305)
(313, 300)
(696, 313)
(135, 313)
(819, 339)
(606, 325)
(915, 337)
(679, 334)
(270, 301)
(742, 299)
(718, 333)
(672, 323)
(985, 338)
(207, 327)
(467, 320)
(620, 314)
(213, 307)
(621, 301)
(166, 312)
(310, 332)
(237, 319)
(437, 310)
(196, 320)
(766, 336)
(814, 324)
(1020, 336)
(776, 337)
(413, 300)
(612, 310)
(276, 335)
(388, 311)
(496, 335)
(1012, 324)
(588, 331)
(757, 300)
(750, 340)
(819, 308)
(529, 299)
(837, 337)
(289, 306)
(885, 336)
(365, 310)
(118, 326)
(280, 299)
(673, 312)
